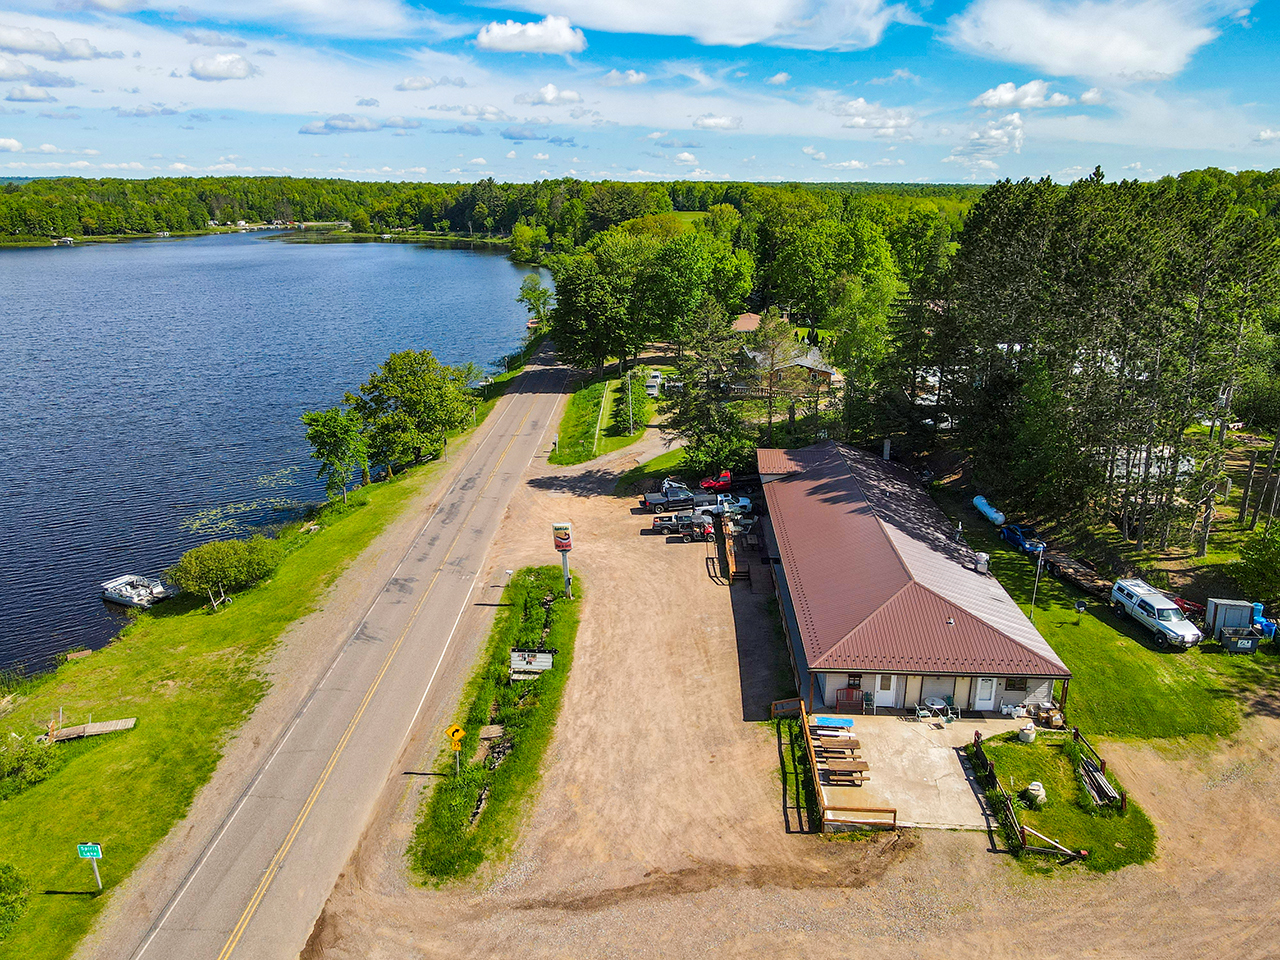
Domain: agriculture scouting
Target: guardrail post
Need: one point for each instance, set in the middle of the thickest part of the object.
(1104, 766)
(1124, 801)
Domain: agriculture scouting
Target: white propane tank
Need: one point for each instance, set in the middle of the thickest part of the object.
(982, 562)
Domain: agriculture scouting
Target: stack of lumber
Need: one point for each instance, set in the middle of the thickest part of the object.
(1096, 782)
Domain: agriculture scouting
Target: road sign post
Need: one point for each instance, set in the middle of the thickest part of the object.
(93, 853)
(455, 734)
(562, 534)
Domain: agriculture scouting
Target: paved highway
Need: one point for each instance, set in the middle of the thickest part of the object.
(257, 889)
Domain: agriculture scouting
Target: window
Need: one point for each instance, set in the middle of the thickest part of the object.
(1146, 608)
(886, 682)
(1016, 683)
(1171, 615)
(855, 681)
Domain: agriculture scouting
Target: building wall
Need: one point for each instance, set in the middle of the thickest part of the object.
(1038, 691)
(916, 688)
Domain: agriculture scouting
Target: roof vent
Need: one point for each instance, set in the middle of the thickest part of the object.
(951, 621)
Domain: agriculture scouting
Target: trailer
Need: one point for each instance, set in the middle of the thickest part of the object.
(1078, 574)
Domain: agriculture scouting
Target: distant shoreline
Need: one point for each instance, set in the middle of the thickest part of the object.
(307, 234)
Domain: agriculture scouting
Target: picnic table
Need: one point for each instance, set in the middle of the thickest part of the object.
(840, 743)
(848, 766)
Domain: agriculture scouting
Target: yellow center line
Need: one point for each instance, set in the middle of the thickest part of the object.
(277, 862)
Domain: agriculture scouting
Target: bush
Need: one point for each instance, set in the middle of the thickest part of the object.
(26, 764)
(226, 565)
(1258, 570)
(15, 892)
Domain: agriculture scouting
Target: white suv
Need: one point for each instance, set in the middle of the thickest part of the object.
(1155, 611)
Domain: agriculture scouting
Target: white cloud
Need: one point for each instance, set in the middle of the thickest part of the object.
(9, 145)
(341, 123)
(26, 93)
(804, 24)
(847, 165)
(873, 116)
(542, 156)
(222, 66)
(211, 38)
(426, 83)
(551, 35)
(478, 161)
(1033, 93)
(988, 143)
(1092, 97)
(890, 162)
(511, 154)
(686, 159)
(1136, 165)
(778, 79)
(367, 102)
(1267, 136)
(711, 121)
(131, 165)
(814, 152)
(899, 74)
(550, 95)
(11, 69)
(1125, 39)
(629, 78)
(42, 43)
(145, 110)
(400, 123)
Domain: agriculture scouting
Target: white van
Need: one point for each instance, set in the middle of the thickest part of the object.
(1155, 611)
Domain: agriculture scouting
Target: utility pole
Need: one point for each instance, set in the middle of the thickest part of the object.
(631, 421)
(1036, 587)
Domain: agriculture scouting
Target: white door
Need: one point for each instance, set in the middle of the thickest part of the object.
(985, 698)
(886, 690)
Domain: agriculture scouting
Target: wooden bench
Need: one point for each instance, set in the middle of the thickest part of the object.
(840, 743)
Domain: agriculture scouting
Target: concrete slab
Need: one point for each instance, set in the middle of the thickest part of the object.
(916, 767)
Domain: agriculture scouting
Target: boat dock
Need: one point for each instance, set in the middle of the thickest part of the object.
(93, 729)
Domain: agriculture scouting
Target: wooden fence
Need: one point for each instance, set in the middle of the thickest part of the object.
(1120, 797)
(786, 708)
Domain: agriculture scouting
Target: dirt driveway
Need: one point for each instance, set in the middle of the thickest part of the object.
(660, 832)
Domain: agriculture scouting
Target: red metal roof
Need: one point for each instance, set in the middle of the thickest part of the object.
(878, 580)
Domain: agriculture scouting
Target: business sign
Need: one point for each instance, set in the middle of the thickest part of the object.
(89, 851)
(563, 534)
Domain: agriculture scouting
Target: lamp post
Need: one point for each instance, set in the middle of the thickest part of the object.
(1036, 586)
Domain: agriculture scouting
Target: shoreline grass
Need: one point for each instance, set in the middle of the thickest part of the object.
(191, 678)
(446, 844)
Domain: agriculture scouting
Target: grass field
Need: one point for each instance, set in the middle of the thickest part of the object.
(191, 678)
(1122, 685)
(1069, 817)
(595, 420)
(446, 844)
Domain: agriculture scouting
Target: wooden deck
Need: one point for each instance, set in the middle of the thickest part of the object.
(93, 729)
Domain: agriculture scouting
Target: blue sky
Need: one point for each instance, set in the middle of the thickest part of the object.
(637, 89)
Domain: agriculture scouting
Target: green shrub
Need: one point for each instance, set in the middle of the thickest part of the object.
(226, 565)
(24, 764)
(15, 894)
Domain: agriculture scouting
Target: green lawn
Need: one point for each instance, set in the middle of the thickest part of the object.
(595, 420)
(446, 844)
(1122, 686)
(191, 678)
(1069, 816)
(639, 478)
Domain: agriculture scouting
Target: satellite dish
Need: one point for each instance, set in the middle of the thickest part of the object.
(1080, 606)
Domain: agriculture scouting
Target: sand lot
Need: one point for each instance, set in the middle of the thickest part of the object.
(659, 831)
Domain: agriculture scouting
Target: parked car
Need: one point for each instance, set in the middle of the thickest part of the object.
(1022, 538)
(718, 484)
(690, 526)
(1155, 611)
(726, 504)
(676, 499)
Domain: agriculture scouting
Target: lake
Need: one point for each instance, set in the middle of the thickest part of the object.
(150, 394)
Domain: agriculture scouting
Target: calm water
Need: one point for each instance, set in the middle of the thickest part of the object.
(150, 395)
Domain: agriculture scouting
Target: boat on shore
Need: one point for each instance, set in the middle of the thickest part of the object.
(132, 590)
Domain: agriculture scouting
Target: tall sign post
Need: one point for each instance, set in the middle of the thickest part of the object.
(563, 536)
(455, 734)
(93, 853)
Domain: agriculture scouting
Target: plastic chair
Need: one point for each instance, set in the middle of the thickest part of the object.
(923, 712)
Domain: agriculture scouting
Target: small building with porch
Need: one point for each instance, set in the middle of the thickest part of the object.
(883, 604)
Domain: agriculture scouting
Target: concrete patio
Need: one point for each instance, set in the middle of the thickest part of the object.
(916, 767)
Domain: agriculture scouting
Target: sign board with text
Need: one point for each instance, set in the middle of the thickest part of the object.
(563, 534)
(89, 851)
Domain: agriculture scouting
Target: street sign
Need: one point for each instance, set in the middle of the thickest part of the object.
(457, 745)
(455, 733)
(563, 534)
(90, 851)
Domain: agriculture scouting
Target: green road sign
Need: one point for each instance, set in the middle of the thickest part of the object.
(90, 851)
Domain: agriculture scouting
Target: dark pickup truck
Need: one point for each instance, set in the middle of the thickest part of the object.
(690, 526)
(676, 500)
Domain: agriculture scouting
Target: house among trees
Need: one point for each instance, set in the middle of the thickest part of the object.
(746, 323)
(808, 362)
(882, 602)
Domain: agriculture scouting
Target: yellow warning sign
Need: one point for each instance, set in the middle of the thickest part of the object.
(455, 733)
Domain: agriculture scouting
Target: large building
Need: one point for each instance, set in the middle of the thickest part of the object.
(882, 601)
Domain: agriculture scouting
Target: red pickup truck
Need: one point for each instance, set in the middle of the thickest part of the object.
(718, 484)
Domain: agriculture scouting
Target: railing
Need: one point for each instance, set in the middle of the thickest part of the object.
(786, 708)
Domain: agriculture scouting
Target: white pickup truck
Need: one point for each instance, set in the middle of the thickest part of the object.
(726, 504)
(1155, 611)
